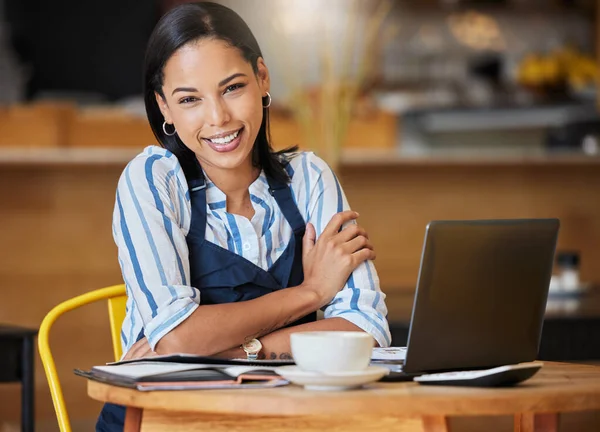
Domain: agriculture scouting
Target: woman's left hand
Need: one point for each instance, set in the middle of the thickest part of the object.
(140, 349)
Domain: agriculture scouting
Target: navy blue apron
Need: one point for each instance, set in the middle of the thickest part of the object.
(225, 277)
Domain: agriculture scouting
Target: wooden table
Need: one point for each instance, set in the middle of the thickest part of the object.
(535, 404)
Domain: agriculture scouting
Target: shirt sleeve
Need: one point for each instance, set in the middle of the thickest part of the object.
(150, 222)
(361, 301)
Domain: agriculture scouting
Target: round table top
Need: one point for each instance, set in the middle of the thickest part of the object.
(557, 387)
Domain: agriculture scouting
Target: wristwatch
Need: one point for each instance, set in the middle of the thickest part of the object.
(252, 348)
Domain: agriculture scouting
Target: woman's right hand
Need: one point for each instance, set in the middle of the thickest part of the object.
(329, 262)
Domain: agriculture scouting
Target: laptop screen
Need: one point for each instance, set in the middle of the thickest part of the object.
(481, 293)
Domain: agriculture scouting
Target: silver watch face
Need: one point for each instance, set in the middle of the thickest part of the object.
(252, 346)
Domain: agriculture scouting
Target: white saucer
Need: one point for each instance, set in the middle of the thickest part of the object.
(331, 381)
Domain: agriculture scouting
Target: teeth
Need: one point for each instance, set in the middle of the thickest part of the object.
(227, 139)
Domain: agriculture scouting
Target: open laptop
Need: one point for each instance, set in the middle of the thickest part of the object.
(481, 295)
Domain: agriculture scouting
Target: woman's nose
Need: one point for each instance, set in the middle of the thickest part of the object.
(218, 114)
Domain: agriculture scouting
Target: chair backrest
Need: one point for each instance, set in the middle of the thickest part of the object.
(116, 296)
(116, 315)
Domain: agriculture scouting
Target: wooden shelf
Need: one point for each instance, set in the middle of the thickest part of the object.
(361, 157)
(67, 156)
(350, 158)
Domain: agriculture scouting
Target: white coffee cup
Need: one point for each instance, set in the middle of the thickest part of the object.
(332, 351)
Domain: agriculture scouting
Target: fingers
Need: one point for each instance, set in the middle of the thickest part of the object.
(308, 241)
(363, 255)
(150, 353)
(142, 351)
(134, 348)
(336, 222)
(138, 350)
(350, 232)
(356, 244)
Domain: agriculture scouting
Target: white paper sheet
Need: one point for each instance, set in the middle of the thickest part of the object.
(389, 354)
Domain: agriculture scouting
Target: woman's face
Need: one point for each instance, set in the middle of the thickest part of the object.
(213, 98)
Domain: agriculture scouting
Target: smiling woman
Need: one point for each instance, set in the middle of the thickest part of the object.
(217, 118)
(226, 247)
(192, 46)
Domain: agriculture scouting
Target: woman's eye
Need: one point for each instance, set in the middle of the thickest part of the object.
(188, 99)
(233, 87)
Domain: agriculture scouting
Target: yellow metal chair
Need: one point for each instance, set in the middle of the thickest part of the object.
(116, 297)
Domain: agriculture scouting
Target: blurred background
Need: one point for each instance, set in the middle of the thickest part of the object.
(429, 109)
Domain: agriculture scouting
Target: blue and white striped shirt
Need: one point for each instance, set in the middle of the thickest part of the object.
(152, 218)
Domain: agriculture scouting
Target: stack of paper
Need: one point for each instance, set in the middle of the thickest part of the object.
(148, 375)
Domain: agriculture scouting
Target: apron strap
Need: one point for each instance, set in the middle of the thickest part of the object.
(283, 195)
(197, 189)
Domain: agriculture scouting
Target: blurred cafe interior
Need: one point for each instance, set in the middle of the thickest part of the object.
(426, 110)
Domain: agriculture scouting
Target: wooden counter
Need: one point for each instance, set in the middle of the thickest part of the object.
(351, 157)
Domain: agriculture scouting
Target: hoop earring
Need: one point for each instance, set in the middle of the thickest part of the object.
(165, 130)
(270, 100)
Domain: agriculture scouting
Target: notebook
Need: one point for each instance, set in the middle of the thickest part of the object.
(147, 375)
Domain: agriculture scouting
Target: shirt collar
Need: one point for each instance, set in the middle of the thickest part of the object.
(258, 188)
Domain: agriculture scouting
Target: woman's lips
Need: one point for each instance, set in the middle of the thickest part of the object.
(224, 148)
